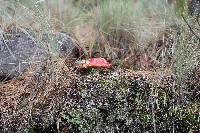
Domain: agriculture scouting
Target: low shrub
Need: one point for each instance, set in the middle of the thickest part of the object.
(102, 101)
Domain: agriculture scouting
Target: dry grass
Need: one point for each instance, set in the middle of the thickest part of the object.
(42, 88)
(131, 28)
(119, 28)
(140, 34)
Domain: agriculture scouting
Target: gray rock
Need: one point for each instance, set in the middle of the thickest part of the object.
(65, 46)
(194, 7)
(18, 49)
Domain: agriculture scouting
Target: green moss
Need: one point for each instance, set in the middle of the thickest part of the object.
(181, 7)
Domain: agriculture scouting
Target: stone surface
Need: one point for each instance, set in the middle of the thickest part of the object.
(18, 49)
(65, 45)
(194, 7)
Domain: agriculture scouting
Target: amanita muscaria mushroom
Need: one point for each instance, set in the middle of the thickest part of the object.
(94, 63)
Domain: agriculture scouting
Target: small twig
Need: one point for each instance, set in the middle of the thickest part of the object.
(193, 32)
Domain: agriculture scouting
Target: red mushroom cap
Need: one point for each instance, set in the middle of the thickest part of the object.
(95, 63)
(98, 62)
